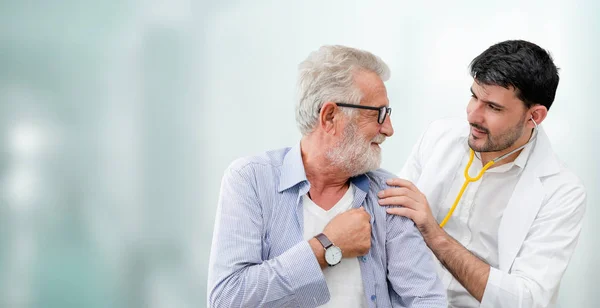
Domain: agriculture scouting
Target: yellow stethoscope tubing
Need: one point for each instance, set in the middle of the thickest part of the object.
(469, 179)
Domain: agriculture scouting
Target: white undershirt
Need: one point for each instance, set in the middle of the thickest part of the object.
(343, 280)
(477, 217)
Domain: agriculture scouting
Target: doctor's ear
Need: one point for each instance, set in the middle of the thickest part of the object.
(537, 113)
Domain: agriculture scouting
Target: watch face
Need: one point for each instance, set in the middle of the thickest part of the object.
(333, 255)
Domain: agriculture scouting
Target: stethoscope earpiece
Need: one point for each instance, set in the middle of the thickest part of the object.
(534, 123)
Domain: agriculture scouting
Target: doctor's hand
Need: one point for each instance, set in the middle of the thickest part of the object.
(414, 206)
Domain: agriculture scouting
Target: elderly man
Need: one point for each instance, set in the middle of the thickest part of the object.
(301, 226)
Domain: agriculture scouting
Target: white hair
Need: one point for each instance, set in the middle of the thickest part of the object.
(328, 75)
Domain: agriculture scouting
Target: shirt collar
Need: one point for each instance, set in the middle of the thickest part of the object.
(292, 169)
(361, 181)
(524, 155)
(520, 161)
(292, 172)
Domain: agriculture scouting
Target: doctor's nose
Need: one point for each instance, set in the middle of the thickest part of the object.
(474, 112)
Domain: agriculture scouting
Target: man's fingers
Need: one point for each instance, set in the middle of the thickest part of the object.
(362, 212)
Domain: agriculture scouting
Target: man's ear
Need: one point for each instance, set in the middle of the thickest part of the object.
(538, 113)
(327, 117)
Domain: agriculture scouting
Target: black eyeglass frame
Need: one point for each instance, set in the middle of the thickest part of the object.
(384, 111)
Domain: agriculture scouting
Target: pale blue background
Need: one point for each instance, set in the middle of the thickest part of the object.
(118, 118)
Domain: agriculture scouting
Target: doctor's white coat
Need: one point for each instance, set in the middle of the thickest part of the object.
(540, 226)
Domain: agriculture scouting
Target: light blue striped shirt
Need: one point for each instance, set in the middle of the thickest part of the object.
(259, 258)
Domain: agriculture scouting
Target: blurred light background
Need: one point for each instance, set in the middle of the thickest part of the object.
(118, 118)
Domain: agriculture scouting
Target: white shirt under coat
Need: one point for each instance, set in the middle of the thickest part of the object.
(533, 221)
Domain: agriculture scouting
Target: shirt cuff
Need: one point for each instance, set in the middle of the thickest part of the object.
(491, 289)
(305, 275)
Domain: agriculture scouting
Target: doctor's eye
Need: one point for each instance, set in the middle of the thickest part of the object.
(493, 107)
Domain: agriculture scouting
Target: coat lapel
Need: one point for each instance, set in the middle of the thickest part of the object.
(525, 203)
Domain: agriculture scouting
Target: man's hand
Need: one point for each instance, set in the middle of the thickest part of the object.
(414, 206)
(351, 232)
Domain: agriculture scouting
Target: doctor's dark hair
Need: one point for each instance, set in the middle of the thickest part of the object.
(520, 64)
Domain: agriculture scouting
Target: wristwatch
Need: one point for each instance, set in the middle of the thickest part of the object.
(333, 254)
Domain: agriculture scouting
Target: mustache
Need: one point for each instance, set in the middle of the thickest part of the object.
(479, 127)
(379, 139)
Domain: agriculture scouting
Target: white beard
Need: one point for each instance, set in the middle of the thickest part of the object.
(354, 153)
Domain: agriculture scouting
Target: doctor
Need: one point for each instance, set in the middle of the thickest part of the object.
(514, 229)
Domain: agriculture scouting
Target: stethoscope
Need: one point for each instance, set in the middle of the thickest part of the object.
(469, 179)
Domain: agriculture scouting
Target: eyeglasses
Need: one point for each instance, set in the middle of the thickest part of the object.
(383, 111)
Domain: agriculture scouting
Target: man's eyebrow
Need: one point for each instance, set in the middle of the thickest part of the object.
(496, 105)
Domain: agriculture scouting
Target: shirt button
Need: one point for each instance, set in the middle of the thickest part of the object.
(364, 259)
(373, 297)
